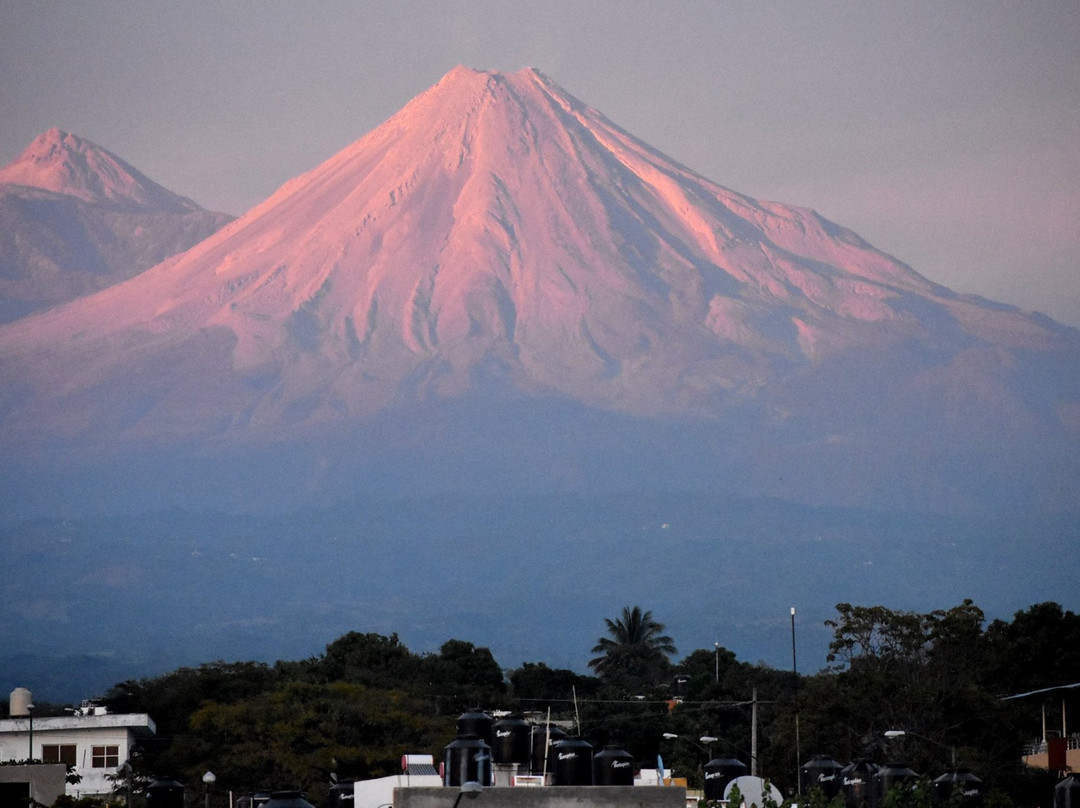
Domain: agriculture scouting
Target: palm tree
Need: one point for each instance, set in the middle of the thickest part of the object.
(636, 646)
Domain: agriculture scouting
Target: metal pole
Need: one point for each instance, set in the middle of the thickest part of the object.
(753, 735)
(795, 670)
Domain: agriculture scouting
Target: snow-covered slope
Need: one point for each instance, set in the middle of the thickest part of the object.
(75, 218)
(498, 236)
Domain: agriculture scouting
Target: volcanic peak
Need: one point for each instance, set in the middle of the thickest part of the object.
(496, 220)
(67, 164)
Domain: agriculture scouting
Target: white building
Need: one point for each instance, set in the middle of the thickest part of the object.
(93, 741)
(416, 771)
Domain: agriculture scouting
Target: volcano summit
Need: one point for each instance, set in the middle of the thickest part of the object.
(498, 286)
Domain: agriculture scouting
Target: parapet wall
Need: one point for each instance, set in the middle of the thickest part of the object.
(546, 797)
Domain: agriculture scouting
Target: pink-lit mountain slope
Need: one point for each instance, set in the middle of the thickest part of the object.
(499, 241)
(75, 218)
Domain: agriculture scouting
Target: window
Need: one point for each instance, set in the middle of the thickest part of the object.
(58, 753)
(104, 757)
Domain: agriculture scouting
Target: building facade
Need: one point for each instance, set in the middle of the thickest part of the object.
(94, 742)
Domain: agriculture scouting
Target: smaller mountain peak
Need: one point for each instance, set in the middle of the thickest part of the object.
(67, 164)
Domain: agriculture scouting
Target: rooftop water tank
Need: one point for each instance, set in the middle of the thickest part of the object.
(164, 792)
(476, 722)
(718, 773)
(467, 760)
(20, 702)
(969, 786)
(613, 766)
(856, 781)
(542, 734)
(512, 741)
(822, 772)
(341, 795)
(287, 799)
(1067, 792)
(571, 762)
(890, 776)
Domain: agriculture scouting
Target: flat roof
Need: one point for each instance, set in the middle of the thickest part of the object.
(138, 723)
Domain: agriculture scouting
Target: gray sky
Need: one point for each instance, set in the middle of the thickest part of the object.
(945, 133)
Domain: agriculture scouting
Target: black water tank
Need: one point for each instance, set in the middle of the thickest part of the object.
(287, 799)
(1067, 792)
(475, 722)
(969, 786)
(164, 792)
(856, 783)
(571, 763)
(468, 760)
(679, 686)
(890, 776)
(718, 773)
(540, 735)
(512, 741)
(341, 795)
(613, 766)
(822, 772)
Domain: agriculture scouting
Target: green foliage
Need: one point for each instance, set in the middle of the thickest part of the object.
(816, 799)
(535, 686)
(67, 801)
(908, 795)
(368, 659)
(1038, 648)
(464, 676)
(735, 797)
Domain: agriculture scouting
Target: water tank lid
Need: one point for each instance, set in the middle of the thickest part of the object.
(474, 713)
(287, 799)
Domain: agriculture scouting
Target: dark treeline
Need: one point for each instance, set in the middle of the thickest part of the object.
(355, 709)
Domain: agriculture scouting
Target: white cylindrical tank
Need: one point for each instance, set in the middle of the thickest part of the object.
(20, 702)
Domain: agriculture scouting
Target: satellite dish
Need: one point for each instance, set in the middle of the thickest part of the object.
(753, 790)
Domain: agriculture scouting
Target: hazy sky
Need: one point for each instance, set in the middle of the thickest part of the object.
(945, 133)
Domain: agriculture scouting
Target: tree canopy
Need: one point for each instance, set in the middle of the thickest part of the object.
(352, 711)
(635, 652)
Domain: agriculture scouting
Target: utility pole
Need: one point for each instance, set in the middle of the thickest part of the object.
(30, 712)
(795, 670)
(753, 735)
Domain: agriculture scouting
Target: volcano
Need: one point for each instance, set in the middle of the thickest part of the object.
(498, 286)
(75, 218)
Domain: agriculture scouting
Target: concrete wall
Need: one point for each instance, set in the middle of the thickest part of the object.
(378, 792)
(46, 779)
(1041, 760)
(546, 797)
